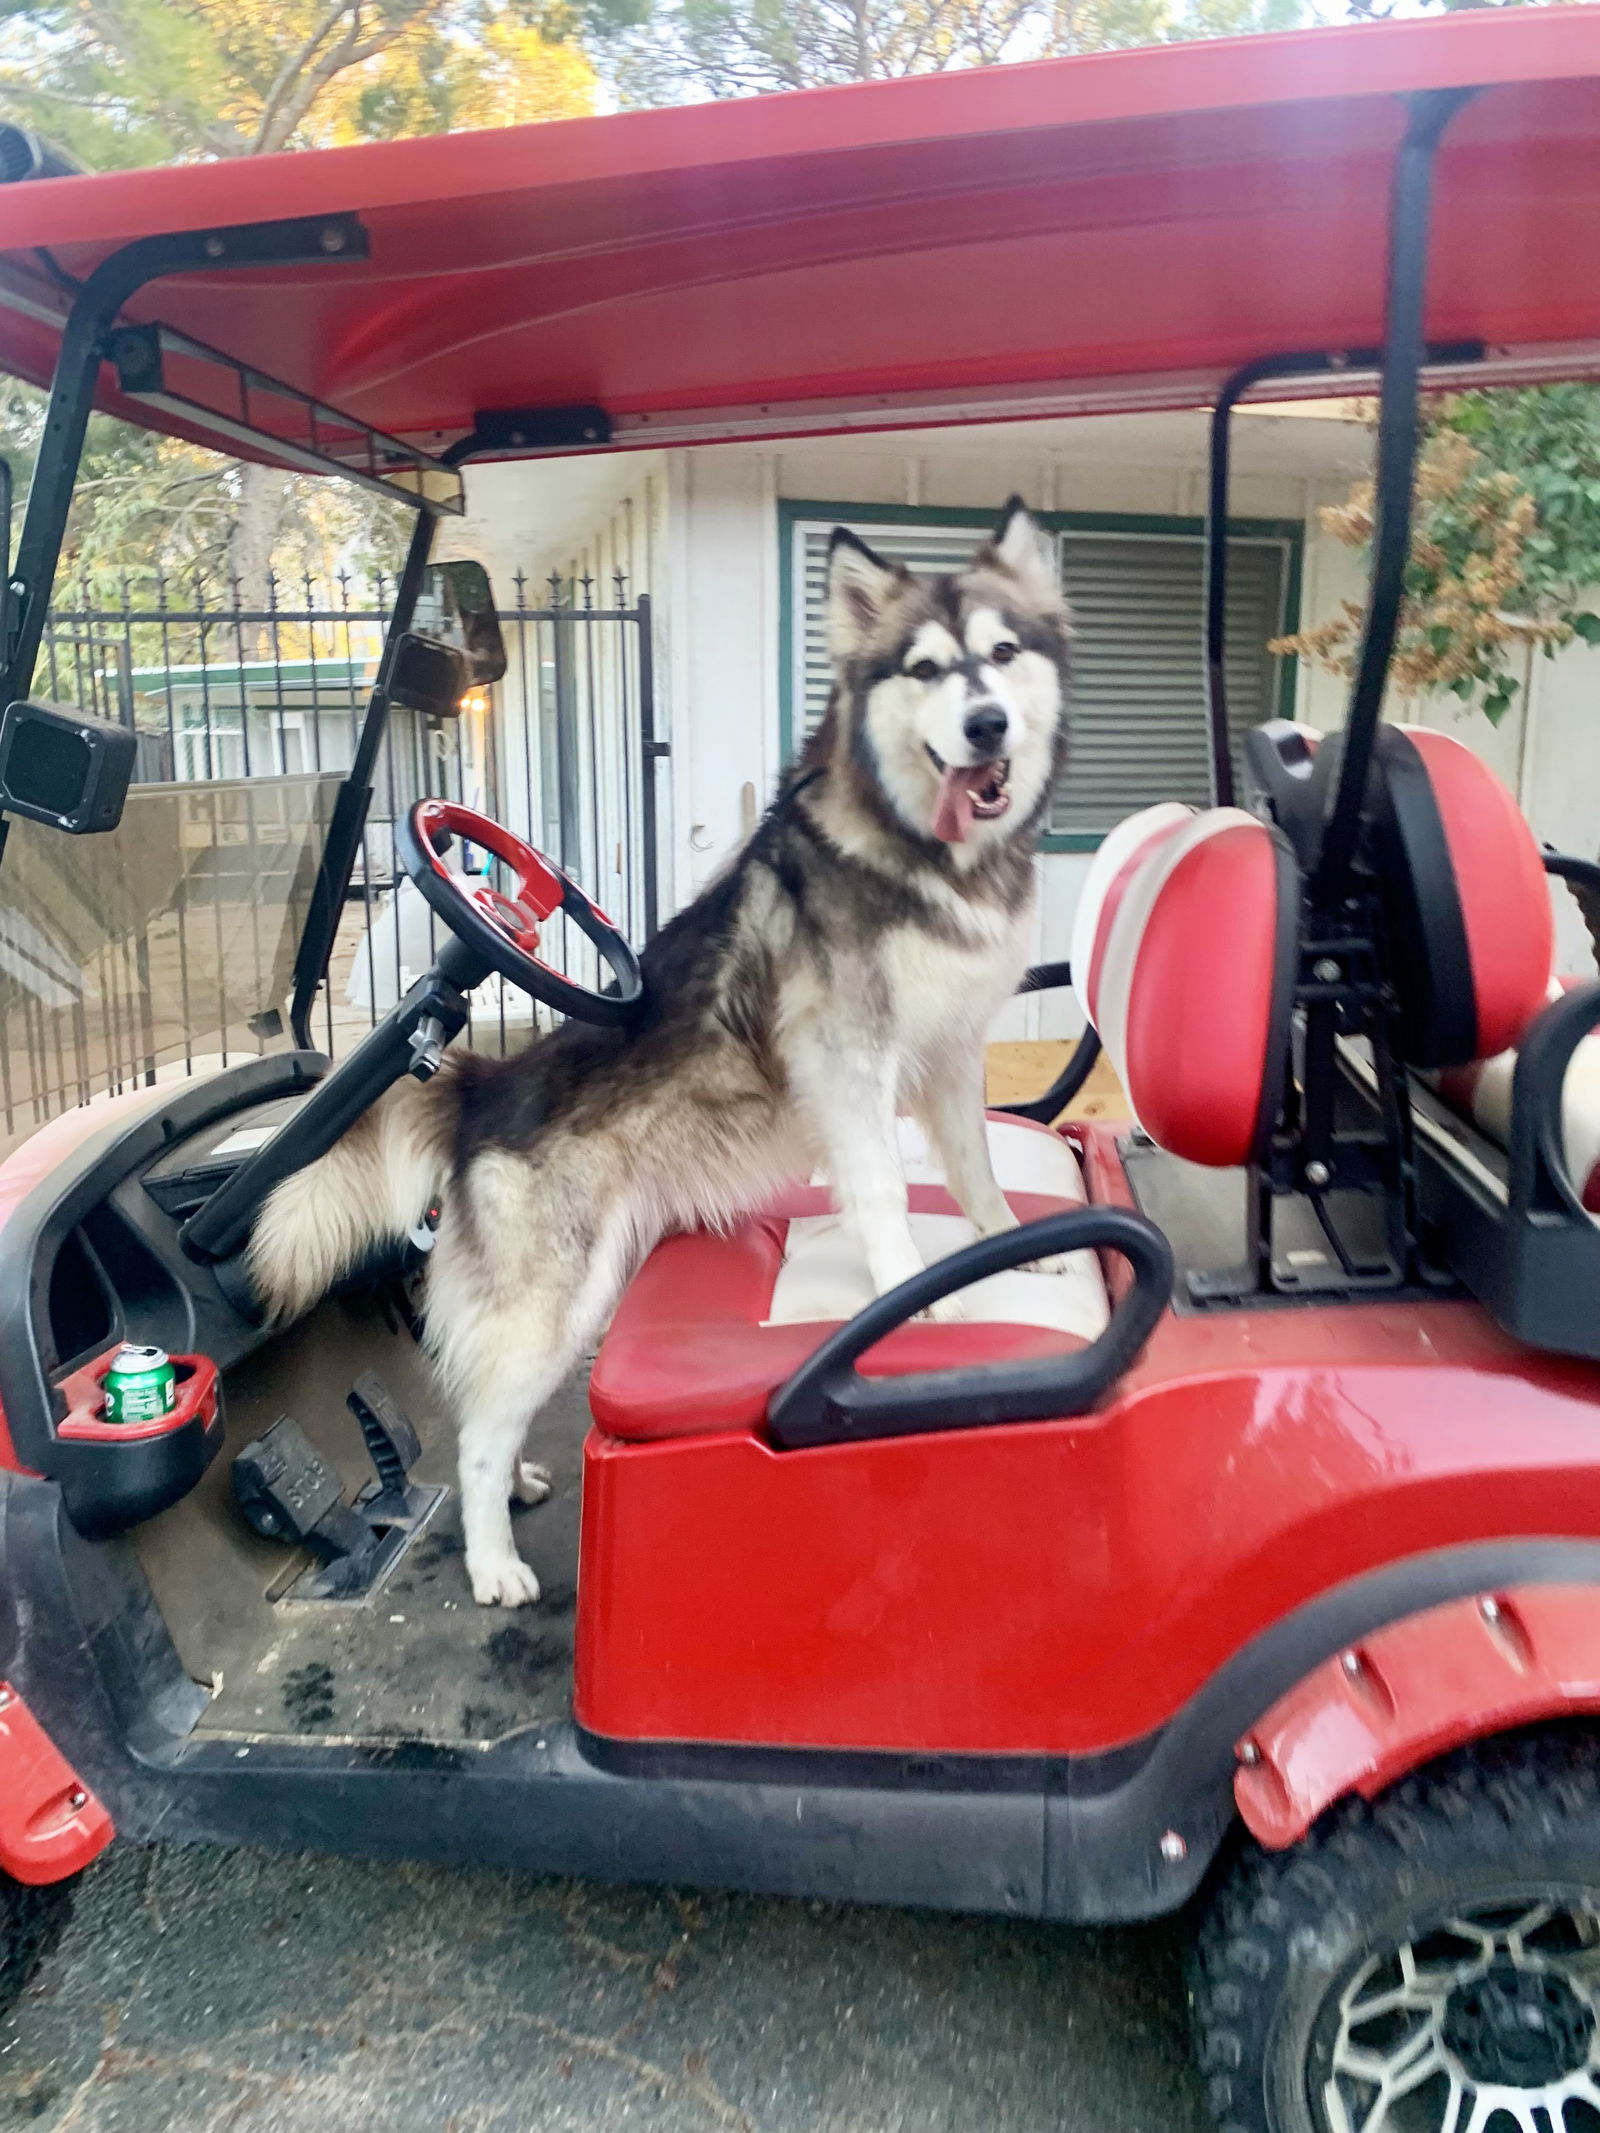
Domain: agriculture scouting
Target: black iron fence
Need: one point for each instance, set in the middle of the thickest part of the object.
(169, 944)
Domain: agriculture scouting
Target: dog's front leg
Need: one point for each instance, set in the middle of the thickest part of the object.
(848, 1096)
(507, 1325)
(950, 1106)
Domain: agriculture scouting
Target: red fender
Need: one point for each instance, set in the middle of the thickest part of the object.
(51, 1824)
(1412, 1691)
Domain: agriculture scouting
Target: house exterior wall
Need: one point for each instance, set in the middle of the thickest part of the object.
(699, 530)
(725, 611)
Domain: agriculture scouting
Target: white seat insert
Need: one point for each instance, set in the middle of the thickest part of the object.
(824, 1275)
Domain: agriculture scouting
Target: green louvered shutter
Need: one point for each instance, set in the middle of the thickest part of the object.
(1138, 725)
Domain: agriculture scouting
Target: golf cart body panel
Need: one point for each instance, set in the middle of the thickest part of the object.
(51, 1825)
(1411, 1692)
(1248, 1462)
(1003, 1666)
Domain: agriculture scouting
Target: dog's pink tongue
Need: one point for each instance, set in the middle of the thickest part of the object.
(952, 817)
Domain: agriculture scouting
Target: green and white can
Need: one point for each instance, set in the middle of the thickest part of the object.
(141, 1385)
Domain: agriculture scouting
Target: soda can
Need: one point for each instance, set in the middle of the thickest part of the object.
(141, 1385)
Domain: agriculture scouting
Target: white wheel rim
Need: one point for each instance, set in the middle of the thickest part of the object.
(1406, 2057)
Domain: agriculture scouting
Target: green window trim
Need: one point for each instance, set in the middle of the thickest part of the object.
(794, 511)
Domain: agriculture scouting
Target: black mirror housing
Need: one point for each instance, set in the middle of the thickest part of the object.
(428, 676)
(58, 765)
(453, 645)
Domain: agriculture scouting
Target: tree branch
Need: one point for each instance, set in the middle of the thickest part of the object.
(351, 50)
(292, 66)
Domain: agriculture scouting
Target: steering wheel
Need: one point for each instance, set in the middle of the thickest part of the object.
(504, 930)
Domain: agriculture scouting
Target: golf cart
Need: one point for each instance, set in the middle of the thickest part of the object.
(1254, 1560)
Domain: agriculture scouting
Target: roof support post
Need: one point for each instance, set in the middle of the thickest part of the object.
(1219, 735)
(1328, 362)
(1410, 202)
(349, 823)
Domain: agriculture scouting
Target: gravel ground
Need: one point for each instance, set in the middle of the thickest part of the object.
(210, 1992)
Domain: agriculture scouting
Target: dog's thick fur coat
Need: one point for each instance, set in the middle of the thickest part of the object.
(843, 968)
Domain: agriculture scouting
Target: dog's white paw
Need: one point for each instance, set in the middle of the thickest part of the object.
(503, 1581)
(530, 1482)
(948, 1311)
(1060, 1264)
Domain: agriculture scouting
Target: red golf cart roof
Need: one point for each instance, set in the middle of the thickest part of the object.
(1117, 230)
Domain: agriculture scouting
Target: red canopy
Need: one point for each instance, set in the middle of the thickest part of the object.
(1119, 230)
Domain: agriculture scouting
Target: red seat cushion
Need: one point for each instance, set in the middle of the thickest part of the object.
(689, 1352)
(1471, 933)
(1194, 979)
(1116, 864)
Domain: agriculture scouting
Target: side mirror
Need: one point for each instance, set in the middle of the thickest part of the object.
(59, 766)
(453, 644)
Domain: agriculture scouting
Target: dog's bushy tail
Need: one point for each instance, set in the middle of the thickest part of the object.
(375, 1184)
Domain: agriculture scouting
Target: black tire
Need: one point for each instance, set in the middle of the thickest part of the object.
(30, 1925)
(1289, 1935)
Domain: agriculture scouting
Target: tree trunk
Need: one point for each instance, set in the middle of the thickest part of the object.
(263, 491)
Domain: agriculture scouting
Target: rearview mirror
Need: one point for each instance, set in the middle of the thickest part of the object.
(453, 644)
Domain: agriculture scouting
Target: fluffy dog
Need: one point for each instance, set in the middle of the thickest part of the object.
(841, 969)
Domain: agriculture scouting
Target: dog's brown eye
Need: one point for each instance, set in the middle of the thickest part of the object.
(1004, 652)
(925, 670)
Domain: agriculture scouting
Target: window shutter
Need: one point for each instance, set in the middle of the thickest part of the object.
(1138, 705)
(931, 550)
(1138, 715)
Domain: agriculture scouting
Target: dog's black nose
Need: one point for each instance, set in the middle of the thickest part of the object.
(985, 728)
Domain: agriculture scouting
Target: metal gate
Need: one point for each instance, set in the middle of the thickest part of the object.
(167, 946)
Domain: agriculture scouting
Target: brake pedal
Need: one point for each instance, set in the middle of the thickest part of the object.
(289, 1492)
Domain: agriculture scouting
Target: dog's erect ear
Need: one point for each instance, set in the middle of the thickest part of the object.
(1020, 545)
(861, 584)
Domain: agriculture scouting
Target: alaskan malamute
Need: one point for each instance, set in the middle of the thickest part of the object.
(842, 968)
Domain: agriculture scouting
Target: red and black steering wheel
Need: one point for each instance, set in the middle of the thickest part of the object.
(504, 930)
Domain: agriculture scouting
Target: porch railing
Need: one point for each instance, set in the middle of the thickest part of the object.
(167, 945)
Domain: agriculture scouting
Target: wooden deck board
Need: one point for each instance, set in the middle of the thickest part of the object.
(1020, 1070)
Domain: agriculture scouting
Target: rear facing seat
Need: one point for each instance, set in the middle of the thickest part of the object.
(712, 1325)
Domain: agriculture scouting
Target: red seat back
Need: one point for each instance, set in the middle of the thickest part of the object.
(1188, 966)
(1471, 936)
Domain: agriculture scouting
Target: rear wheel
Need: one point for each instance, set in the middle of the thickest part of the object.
(30, 1924)
(1427, 1964)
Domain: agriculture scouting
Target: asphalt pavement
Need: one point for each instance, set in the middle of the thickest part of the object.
(211, 1992)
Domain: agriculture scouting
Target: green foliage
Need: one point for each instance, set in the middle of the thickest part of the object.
(1505, 545)
(1546, 441)
(120, 83)
(1548, 437)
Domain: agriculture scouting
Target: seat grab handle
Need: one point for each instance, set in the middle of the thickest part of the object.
(828, 1401)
